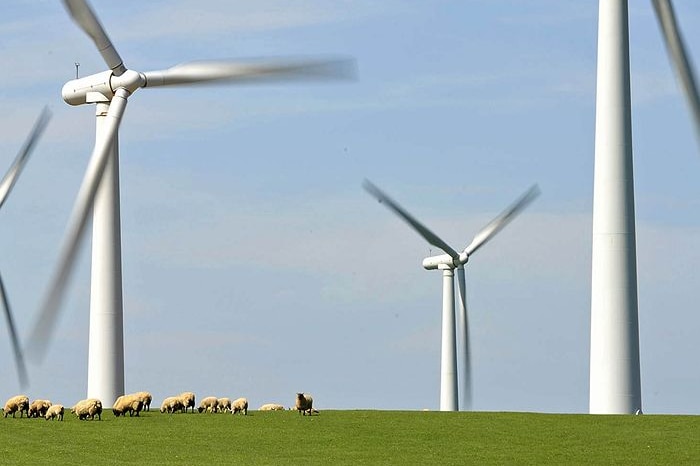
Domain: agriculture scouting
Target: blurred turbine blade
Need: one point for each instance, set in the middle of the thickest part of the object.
(679, 57)
(13, 173)
(19, 358)
(50, 308)
(82, 14)
(463, 334)
(502, 220)
(250, 71)
(429, 236)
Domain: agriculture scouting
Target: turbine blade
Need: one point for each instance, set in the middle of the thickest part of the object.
(499, 222)
(679, 57)
(463, 332)
(429, 236)
(51, 305)
(83, 15)
(19, 358)
(208, 71)
(10, 178)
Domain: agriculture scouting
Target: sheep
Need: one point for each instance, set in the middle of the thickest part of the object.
(208, 404)
(172, 404)
(54, 411)
(89, 407)
(223, 405)
(240, 405)
(146, 399)
(38, 408)
(188, 400)
(271, 407)
(127, 404)
(17, 403)
(304, 403)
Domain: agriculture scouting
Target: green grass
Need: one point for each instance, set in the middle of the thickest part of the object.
(353, 437)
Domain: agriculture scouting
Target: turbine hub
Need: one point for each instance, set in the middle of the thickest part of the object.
(130, 80)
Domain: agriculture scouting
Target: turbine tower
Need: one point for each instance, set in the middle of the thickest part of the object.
(448, 262)
(99, 191)
(614, 366)
(615, 380)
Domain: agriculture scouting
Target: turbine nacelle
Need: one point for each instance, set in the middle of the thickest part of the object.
(445, 260)
(100, 87)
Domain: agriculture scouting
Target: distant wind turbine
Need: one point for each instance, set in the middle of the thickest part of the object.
(448, 262)
(99, 192)
(6, 185)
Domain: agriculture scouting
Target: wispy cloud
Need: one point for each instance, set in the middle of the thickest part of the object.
(184, 20)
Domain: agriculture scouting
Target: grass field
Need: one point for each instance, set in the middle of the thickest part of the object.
(353, 437)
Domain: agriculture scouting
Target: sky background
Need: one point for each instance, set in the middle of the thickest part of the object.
(256, 265)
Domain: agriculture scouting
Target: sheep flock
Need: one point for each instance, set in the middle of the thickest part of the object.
(134, 403)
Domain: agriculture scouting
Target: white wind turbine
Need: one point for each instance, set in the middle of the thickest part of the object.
(615, 379)
(6, 185)
(448, 262)
(99, 191)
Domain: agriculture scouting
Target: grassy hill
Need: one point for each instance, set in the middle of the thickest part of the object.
(353, 437)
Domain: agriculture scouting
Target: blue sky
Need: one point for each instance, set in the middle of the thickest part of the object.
(254, 263)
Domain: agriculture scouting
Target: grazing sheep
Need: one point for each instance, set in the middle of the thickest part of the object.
(146, 399)
(304, 403)
(89, 407)
(172, 404)
(208, 404)
(17, 403)
(54, 411)
(240, 405)
(271, 407)
(188, 400)
(38, 408)
(223, 405)
(127, 404)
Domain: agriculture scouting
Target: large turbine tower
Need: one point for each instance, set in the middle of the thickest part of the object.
(615, 380)
(109, 91)
(614, 366)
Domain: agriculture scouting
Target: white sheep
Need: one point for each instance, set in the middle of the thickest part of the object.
(89, 407)
(240, 405)
(271, 407)
(304, 403)
(223, 405)
(208, 404)
(54, 411)
(146, 399)
(38, 408)
(188, 400)
(17, 403)
(172, 404)
(127, 404)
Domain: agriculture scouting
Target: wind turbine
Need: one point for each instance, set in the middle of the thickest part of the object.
(615, 380)
(99, 191)
(6, 185)
(448, 262)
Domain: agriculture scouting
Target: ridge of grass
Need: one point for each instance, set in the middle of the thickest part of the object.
(353, 437)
